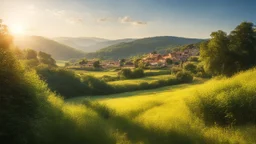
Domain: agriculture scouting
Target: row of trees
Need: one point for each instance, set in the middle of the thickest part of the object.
(229, 54)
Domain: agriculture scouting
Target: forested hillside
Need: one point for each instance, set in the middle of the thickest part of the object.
(141, 46)
(88, 44)
(57, 50)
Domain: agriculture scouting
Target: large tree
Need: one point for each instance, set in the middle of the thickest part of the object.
(228, 54)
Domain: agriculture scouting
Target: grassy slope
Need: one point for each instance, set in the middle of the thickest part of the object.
(140, 80)
(141, 46)
(57, 50)
(99, 74)
(162, 116)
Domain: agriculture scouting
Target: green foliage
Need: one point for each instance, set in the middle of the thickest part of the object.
(184, 76)
(68, 84)
(30, 54)
(96, 64)
(169, 61)
(126, 73)
(190, 67)
(83, 62)
(47, 59)
(228, 101)
(193, 59)
(175, 70)
(56, 50)
(31, 63)
(138, 73)
(129, 74)
(228, 54)
(141, 46)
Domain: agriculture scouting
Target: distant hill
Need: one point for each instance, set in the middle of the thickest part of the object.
(57, 50)
(88, 44)
(141, 46)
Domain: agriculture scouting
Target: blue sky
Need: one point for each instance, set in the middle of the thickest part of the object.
(114, 19)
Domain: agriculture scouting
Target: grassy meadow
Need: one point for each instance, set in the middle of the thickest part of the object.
(171, 114)
(61, 63)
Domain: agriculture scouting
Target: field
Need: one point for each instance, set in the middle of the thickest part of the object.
(113, 73)
(61, 63)
(141, 80)
(163, 116)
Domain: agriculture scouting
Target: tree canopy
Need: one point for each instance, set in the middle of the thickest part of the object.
(228, 54)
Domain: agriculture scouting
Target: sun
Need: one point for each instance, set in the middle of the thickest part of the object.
(17, 29)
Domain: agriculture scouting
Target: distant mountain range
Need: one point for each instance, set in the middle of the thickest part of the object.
(89, 44)
(57, 50)
(141, 46)
(65, 48)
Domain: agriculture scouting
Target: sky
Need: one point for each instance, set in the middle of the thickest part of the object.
(116, 19)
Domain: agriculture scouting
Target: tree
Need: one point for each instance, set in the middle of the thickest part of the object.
(190, 67)
(154, 52)
(224, 54)
(83, 62)
(243, 45)
(121, 62)
(168, 61)
(46, 59)
(30, 54)
(136, 63)
(96, 64)
(18, 102)
(215, 54)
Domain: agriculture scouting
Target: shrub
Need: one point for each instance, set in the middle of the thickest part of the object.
(227, 102)
(184, 76)
(126, 73)
(193, 59)
(190, 67)
(129, 74)
(107, 78)
(138, 73)
(175, 70)
(155, 73)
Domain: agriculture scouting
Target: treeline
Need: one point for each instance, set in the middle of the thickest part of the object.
(68, 84)
(228, 54)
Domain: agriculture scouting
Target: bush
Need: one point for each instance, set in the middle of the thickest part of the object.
(107, 78)
(68, 84)
(156, 73)
(193, 59)
(175, 70)
(184, 76)
(227, 102)
(129, 74)
(138, 73)
(190, 67)
(126, 73)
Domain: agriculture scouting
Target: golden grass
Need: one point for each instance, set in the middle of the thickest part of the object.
(164, 114)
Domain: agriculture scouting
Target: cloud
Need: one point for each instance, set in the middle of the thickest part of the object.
(58, 13)
(103, 19)
(70, 17)
(129, 20)
(75, 21)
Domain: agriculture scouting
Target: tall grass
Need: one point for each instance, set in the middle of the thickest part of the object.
(68, 84)
(229, 101)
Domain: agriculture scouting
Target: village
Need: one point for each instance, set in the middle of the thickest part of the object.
(151, 60)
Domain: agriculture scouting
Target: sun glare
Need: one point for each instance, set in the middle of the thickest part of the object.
(17, 29)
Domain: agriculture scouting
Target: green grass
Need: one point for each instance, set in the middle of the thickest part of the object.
(61, 63)
(112, 73)
(164, 115)
(140, 80)
(97, 74)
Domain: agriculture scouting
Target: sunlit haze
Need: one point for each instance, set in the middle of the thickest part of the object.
(124, 18)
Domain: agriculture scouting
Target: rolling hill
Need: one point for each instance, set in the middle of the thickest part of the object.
(141, 46)
(57, 50)
(89, 44)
